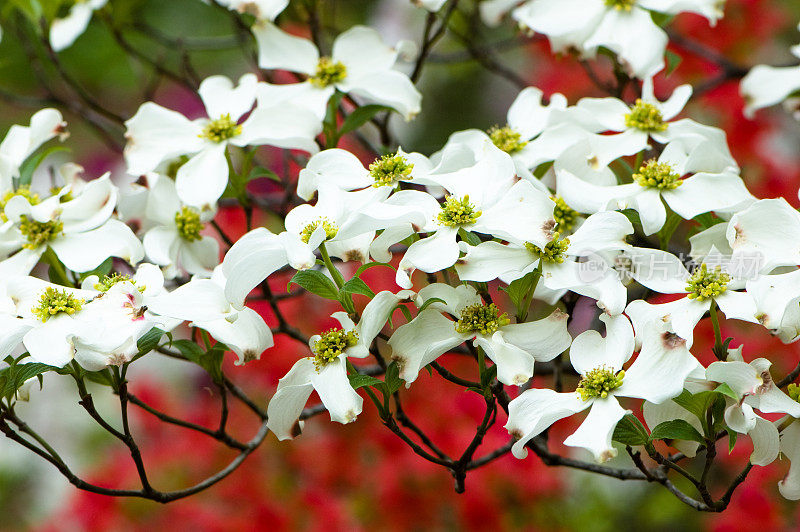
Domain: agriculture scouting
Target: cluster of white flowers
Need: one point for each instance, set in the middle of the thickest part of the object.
(563, 199)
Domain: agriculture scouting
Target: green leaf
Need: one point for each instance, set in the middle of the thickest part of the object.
(149, 341)
(101, 271)
(666, 232)
(731, 439)
(330, 121)
(358, 380)
(673, 60)
(356, 286)
(190, 350)
(364, 267)
(633, 216)
(260, 171)
(102, 377)
(724, 389)
(316, 282)
(392, 378)
(677, 429)
(520, 288)
(707, 220)
(469, 237)
(32, 163)
(361, 116)
(630, 431)
(430, 301)
(13, 377)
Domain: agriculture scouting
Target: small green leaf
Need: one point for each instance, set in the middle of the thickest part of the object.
(13, 377)
(361, 116)
(724, 389)
(469, 237)
(707, 220)
(676, 429)
(364, 267)
(260, 171)
(731, 439)
(356, 286)
(630, 431)
(190, 350)
(519, 289)
(430, 301)
(149, 341)
(358, 380)
(102, 377)
(315, 282)
(673, 60)
(32, 163)
(392, 378)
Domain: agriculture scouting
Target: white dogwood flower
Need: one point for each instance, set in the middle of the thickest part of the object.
(558, 260)
(203, 303)
(326, 370)
(360, 65)
(175, 241)
(659, 180)
(625, 27)
(707, 285)
(78, 229)
(657, 375)
(512, 347)
(156, 135)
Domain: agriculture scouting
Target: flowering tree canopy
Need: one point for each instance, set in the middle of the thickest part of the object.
(568, 254)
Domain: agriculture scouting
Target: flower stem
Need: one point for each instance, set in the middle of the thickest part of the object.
(337, 276)
(719, 347)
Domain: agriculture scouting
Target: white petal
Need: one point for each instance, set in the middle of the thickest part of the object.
(767, 85)
(289, 400)
(658, 270)
(766, 442)
(335, 392)
(375, 315)
(638, 42)
(706, 192)
(534, 411)
(596, 431)
(545, 339)
(432, 254)
(421, 341)
(81, 252)
(363, 53)
(285, 126)
(740, 376)
(280, 50)
(64, 31)
(202, 180)
(790, 447)
(198, 300)
(156, 134)
(590, 350)
(523, 214)
(659, 372)
(52, 342)
(12, 330)
(221, 98)
(738, 306)
(514, 366)
(335, 166)
(248, 336)
(490, 260)
(764, 229)
(198, 257)
(390, 88)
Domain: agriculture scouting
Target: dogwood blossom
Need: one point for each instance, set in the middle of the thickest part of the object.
(64, 31)
(657, 374)
(360, 64)
(157, 135)
(512, 347)
(326, 370)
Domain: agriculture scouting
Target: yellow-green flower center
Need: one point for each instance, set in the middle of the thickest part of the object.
(457, 212)
(329, 72)
(39, 233)
(480, 318)
(646, 117)
(22, 190)
(223, 128)
(657, 175)
(793, 391)
(704, 284)
(390, 169)
(563, 214)
(553, 252)
(107, 281)
(189, 225)
(54, 301)
(597, 383)
(621, 5)
(507, 139)
(331, 344)
(330, 229)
